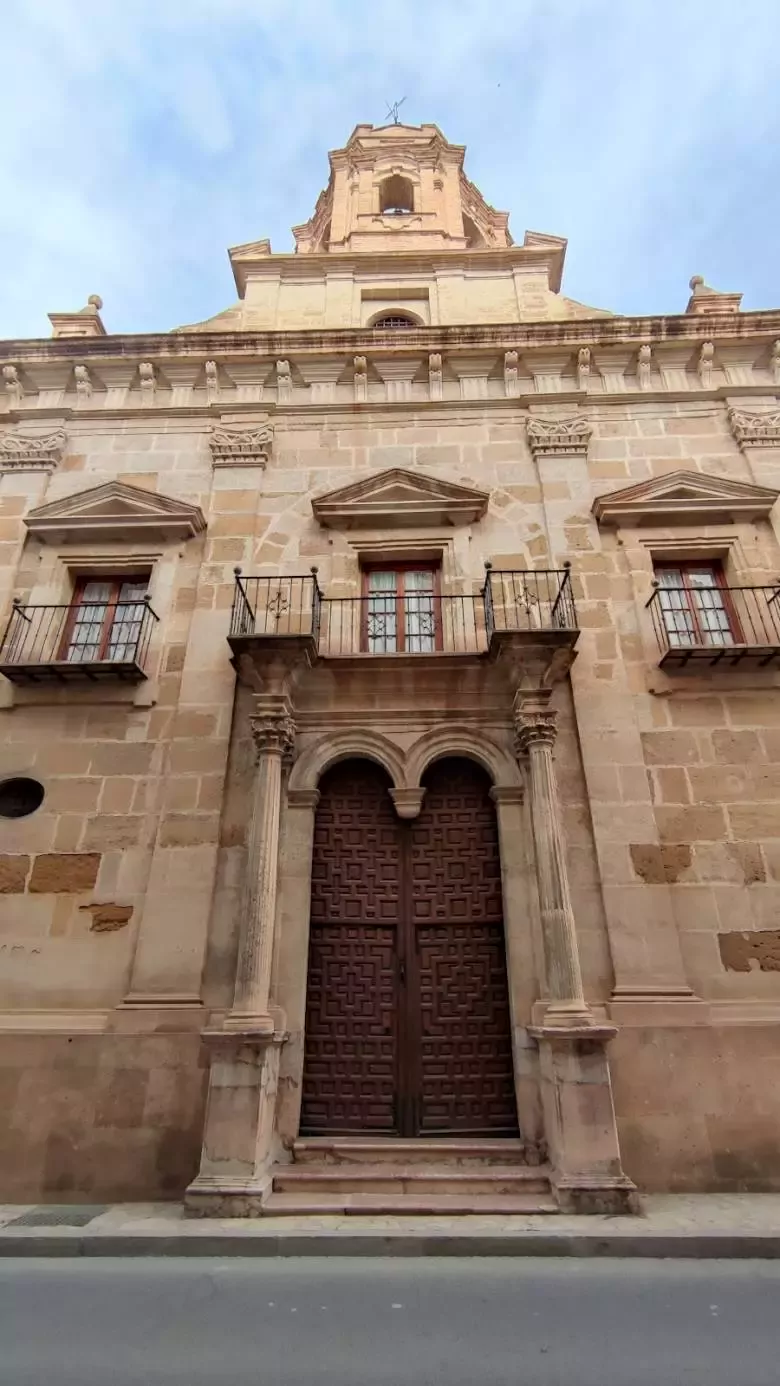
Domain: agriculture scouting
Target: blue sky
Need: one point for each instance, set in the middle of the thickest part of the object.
(143, 137)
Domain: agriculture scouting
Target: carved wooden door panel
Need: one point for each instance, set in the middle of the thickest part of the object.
(351, 1041)
(407, 1017)
(465, 1074)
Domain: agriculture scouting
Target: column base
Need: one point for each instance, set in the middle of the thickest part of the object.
(618, 1196)
(238, 1023)
(238, 1131)
(215, 1196)
(579, 1119)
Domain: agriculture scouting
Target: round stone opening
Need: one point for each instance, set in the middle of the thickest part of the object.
(19, 797)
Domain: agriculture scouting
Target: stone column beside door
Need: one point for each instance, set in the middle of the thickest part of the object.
(238, 1130)
(579, 1113)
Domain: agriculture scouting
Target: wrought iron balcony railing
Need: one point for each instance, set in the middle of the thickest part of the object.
(384, 623)
(87, 642)
(716, 624)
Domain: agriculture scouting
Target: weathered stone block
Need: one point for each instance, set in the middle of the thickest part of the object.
(59, 872)
(757, 951)
(13, 874)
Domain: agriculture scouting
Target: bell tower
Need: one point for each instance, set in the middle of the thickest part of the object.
(400, 187)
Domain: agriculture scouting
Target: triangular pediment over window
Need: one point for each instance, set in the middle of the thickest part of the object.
(115, 512)
(681, 497)
(398, 500)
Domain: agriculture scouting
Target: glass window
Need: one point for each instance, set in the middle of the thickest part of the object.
(695, 605)
(402, 610)
(105, 620)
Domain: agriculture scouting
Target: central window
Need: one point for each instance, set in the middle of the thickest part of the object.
(401, 609)
(104, 620)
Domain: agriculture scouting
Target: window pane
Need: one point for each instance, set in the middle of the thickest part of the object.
(419, 612)
(713, 617)
(125, 628)
(86, 632)
(381, 614)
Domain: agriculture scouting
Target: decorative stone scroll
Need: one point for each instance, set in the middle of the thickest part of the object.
(583, 368)
(360, 379)
(13, 386)
(563, 437)
(235, 447)
(755, 430)
(19, 453)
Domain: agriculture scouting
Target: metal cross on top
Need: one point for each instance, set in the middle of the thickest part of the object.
(392, 110)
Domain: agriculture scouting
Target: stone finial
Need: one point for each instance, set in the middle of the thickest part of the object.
(583, 367)
(706, 300)
(644, 366)
(13, 386)
(435, 376)
(510, 374)
(85, 322)
(360, 379)
(706, 359)
(83, 384)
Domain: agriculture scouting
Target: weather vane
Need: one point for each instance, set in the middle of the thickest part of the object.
(392, 110)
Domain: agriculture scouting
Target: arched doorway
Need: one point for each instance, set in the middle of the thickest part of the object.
(407, 1014)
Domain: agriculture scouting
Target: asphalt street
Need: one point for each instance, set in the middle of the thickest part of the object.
(337, 1321)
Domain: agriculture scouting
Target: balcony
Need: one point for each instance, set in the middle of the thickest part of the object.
(716, 625)
(93, 643)
(537, 604)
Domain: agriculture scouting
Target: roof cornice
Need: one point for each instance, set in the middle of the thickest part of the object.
(525, 336)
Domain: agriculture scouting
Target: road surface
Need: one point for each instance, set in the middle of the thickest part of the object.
(340, 1322)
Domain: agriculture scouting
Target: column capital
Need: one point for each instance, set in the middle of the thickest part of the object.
(536, 723)
(273, 726)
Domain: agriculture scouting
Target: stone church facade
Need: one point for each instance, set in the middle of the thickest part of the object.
(389, 730)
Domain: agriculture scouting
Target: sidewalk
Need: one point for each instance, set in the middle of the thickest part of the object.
(687, 1225)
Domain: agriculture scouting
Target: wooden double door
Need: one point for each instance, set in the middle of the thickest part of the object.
(407, 1017)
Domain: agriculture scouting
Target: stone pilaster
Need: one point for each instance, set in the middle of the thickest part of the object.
(536, 730)
(273, 733)
(576, 1087)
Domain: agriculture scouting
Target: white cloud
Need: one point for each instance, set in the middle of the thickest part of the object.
(143, 137)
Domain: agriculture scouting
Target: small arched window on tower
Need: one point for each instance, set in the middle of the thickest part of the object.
(396, 196)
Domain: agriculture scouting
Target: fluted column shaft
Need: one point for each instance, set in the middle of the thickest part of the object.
(536, 731)
(273, 732)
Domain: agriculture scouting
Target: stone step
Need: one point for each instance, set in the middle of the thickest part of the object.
(405, 1151)
(412, 1179)
(406, 1205)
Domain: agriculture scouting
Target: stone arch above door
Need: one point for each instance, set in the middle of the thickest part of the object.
(312, 764)
(463, 741)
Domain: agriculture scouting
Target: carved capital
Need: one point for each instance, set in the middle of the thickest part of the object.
(562, 437)
(273, 728)
(755, 430)
(536, 723)
(536, 729)
(241, 447)
(19, 452)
